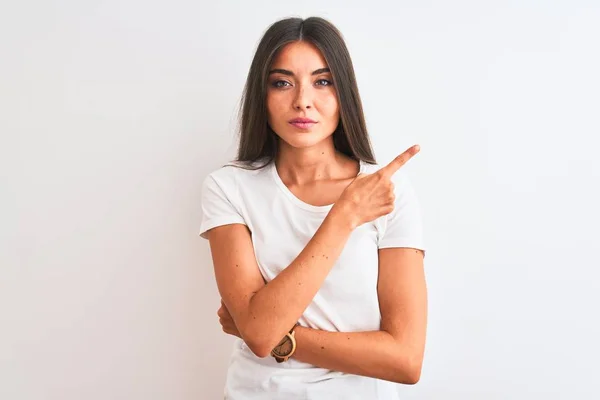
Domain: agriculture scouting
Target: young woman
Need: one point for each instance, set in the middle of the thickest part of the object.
(317, 250)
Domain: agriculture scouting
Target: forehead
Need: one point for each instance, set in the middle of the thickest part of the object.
(300, 57)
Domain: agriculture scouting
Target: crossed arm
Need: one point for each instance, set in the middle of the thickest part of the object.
(393, 353)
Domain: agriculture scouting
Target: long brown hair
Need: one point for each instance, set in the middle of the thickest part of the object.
(257, 140)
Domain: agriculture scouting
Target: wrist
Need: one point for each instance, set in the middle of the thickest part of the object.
(286, 348)
(344, 216)
(299, 334)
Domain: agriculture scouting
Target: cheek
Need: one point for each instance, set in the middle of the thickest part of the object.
(274, 105)
(330, 106)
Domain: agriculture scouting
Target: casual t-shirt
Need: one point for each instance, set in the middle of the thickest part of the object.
(281, 225)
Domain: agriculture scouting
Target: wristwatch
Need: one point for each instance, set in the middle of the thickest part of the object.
(286, 347)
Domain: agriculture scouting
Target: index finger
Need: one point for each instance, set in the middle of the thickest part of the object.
(399, 161)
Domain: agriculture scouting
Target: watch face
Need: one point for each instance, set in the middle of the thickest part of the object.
(284, 347)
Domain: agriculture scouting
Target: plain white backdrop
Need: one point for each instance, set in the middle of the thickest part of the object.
(112, 113)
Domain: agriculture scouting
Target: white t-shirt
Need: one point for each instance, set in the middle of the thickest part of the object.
(281, 225)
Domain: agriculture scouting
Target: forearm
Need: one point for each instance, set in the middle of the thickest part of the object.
(277, 306)
(375, 354)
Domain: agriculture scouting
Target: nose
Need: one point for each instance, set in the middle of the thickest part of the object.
(302, 99)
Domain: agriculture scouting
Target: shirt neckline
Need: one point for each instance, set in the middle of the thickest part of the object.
(292, 197)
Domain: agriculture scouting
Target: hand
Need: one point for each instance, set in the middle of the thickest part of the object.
(227, 322)
(371, 196)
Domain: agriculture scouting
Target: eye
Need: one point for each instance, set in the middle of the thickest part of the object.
(324, 82)
(279, 84)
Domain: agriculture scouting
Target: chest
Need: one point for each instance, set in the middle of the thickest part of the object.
(320, 193)
(355, 271)
(347, 300)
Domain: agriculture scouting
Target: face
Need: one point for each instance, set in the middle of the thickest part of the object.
(302, 104)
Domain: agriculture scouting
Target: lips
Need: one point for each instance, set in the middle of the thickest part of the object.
(302, 123)
(301, 120)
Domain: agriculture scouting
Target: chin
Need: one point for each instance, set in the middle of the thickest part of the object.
(303, 140)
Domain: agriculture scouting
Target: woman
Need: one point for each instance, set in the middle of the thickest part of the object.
(317, 250)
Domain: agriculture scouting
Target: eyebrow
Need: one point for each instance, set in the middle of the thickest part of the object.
(290, 73)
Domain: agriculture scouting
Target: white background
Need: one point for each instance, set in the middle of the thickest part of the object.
(112, 113)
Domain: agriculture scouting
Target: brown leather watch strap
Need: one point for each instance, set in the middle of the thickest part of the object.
(286, 347)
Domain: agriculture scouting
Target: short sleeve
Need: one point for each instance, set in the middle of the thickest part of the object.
(217, 207)
(403, 227)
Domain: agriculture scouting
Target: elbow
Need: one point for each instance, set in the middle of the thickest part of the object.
(412, 377)
(260, 349)
(408, 372)
(257, 335)
(259, 343)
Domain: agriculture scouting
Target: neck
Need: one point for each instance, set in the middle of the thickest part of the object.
(301, 166)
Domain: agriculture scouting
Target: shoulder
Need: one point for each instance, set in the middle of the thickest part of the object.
(400, 177)
(238, 171)
(368, 168)
(235, 178)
